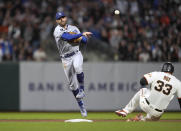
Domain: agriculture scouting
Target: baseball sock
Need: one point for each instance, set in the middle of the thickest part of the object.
(75, 92)
(80, 78)
(79, 101)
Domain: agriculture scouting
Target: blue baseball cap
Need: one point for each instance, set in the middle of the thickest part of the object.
(59, 15)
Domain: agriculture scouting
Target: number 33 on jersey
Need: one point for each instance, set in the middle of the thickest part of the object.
(163, 88)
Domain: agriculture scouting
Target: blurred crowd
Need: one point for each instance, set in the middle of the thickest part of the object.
(145, 30)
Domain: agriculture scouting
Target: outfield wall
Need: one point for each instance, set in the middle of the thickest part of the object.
(33, 86)
(109, 86)
(9, 86)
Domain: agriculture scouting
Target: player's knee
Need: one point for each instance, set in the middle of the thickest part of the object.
(78, 70)
(73, 86)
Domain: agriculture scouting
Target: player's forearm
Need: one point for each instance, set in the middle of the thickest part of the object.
(84, 40)
(69, 37)
(179, 101)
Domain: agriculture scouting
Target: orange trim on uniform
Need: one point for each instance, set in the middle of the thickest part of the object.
(146, 79)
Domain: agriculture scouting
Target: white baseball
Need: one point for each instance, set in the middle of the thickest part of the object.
(116, 12)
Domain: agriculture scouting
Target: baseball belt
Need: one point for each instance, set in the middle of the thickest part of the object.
(155, 108)
(69, 54)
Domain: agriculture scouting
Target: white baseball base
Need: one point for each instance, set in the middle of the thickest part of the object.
(78, 120)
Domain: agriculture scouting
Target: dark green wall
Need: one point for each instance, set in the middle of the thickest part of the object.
(9, 86)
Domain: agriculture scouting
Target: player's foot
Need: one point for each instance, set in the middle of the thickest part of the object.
(83, 111)
(81, 94)
(121, 113)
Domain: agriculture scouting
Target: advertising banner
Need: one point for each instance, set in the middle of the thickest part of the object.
(108, 86)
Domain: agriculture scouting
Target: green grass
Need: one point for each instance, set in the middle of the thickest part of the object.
(95, 126)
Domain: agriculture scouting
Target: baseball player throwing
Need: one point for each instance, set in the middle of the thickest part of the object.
(67, 39)
(154, 101)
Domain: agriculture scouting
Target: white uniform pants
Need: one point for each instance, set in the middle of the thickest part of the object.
(73, 66)
(139, 99)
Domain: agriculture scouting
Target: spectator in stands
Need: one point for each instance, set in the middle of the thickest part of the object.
(1, 53)
(156, 23)
(39, 54)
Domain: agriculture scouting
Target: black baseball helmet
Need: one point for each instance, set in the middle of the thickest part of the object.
(168, 67)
